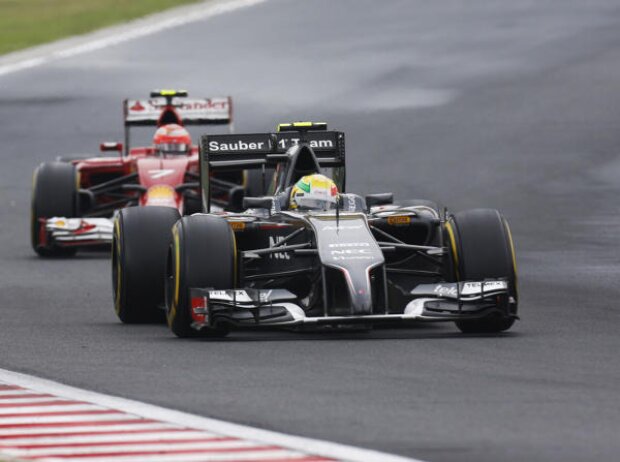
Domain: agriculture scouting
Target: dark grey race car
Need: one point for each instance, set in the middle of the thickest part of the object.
(369, 262)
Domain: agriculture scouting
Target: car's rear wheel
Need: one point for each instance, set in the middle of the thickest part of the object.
(54, 194)
(482, 248)
(139, 249)
(202, 255)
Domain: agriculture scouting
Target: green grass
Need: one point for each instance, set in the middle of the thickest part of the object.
(25, 23)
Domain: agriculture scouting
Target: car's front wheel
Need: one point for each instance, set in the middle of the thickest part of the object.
(54, 194)
(202, 254)
(482, 248)
(139, 248)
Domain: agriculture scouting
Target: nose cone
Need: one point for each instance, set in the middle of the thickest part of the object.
(346, 244)
(361, 299)
(360, 292)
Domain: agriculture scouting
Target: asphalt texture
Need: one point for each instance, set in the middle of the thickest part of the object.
(511, 105)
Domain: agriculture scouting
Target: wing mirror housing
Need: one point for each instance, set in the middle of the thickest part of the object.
(236, 198)
(257, 202)
(379, 199)
(111, 146)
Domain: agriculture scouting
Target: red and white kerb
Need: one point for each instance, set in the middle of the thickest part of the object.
(46, 427)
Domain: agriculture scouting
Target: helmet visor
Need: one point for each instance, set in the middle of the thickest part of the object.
(173, 148)
(307, 202)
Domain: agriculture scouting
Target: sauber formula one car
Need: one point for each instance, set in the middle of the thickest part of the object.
(74, 198)
(359, 262)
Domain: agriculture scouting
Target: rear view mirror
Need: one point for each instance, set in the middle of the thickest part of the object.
(257, 202)
(111, 146)
(379, 199)
(236, 198)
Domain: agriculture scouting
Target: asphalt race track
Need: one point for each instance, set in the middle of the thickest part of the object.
(512, 105)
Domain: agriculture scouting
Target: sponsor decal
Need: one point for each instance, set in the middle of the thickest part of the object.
(241, 296)
(229, 295)
(215, 146)
(237, 225)
(137, 107)
(351, 251)
(160, 195)
(204, 105)
(451, 290)
(286, 143)
(446, 291)
(488, 286)
(339, 227)
(399, 220)
(352, 257)
(160, 191)
(187, 108)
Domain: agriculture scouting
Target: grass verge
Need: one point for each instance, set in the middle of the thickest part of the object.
(25, 23)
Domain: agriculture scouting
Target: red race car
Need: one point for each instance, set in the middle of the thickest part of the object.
(74, 199)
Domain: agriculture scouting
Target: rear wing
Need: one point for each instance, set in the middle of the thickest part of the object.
(174, 107)
(190, 111)
(267, 150)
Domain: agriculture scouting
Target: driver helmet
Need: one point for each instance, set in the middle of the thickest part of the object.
(314, 192)
(172, 139)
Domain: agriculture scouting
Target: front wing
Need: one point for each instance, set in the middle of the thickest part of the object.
(70, 232)
(253, 308)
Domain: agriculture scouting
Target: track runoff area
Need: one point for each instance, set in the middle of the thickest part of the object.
(41, 420)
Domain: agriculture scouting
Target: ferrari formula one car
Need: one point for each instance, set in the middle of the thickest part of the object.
(363, 261)
(74, 198)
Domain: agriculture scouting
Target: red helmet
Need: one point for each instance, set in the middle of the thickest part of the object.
(172, 139)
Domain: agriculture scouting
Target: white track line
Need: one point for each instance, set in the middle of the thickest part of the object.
(115, 35)
(288, 447)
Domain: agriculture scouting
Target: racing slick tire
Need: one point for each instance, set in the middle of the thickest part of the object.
(54, 194)
(202, 254)
(139, 248)
(481, 248)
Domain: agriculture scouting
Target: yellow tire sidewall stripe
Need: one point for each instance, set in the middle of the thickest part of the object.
(513, 254)
(117, 295)
(454, 249)
(177, 275)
